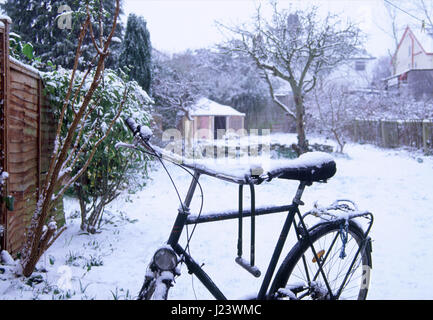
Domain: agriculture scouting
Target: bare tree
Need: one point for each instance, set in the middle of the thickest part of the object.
(424, 9)
(335, 108)
(67, 150)
(295, 47)
(174, 89)
(393, 30)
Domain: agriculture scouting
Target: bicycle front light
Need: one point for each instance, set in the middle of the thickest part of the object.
(165, 259)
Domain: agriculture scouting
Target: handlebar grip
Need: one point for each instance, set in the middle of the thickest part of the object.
(144, 132)
(131, 125)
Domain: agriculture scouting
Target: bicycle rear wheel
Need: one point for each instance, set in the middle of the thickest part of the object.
(345, 264)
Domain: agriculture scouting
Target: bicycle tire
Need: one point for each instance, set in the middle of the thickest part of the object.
(301, 255)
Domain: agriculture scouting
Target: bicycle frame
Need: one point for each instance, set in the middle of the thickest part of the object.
(183, 219)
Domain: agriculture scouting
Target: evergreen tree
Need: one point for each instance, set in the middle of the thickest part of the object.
(36, 22)
(136, 51)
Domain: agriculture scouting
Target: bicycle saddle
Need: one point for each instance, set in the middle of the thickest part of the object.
(309, 167)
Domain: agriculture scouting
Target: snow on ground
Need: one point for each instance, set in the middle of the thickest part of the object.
(396, 185)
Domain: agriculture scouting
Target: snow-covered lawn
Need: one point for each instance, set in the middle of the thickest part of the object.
(396, 185)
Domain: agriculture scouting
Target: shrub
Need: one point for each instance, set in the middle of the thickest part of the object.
(111, 170)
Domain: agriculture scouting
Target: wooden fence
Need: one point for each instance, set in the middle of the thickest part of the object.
(395, 133)
(27, 139)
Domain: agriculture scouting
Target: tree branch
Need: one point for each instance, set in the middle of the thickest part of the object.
(275, 99)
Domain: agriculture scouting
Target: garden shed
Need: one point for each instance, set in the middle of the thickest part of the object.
(27, 134)
(209, 120)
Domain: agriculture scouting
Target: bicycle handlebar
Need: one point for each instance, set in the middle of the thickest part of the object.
(144, 133)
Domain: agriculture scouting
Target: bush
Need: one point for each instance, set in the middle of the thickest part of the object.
(112, 170)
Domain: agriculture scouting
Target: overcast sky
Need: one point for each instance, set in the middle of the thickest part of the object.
(176, 25)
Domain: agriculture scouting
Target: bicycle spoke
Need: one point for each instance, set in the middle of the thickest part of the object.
(343, 269)
(321, 263)
(350, 278)
(326, 256)
(350, 271)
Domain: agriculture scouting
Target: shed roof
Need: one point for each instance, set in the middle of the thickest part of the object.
(206, 107)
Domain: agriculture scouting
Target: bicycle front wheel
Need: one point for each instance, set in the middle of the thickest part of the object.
(345, 257)
(155, 288)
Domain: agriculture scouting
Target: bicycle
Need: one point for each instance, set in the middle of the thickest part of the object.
(328, 256)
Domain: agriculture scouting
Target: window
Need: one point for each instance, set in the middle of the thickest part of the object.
(360, 65)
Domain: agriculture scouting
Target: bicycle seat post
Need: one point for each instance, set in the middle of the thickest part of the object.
(297, 199)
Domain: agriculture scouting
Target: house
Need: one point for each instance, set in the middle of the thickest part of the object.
(356, 72)
(412, 63)
(209, 120)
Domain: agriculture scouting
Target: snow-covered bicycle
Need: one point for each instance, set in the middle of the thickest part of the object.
(331, 259)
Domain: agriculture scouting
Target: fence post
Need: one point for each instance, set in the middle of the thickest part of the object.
(378, 137)
(4, 99)
(427, 135)
(382, 128)
(355, 130)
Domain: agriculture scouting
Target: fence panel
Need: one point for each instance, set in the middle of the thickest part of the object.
(368, 131)
(28, 134)
(411, 133)
(395, 133)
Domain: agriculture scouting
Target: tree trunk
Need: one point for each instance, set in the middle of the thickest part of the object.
(300, 127)
(339, 141)
(81, 198)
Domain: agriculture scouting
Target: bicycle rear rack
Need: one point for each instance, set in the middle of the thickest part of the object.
(248, 266)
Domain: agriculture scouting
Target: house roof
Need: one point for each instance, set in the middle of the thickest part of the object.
(425, 39)
(206, 107)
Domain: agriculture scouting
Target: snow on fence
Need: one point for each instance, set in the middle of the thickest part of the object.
(27, 132)
(395, 133)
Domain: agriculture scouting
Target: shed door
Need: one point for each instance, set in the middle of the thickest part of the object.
(220, 124)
